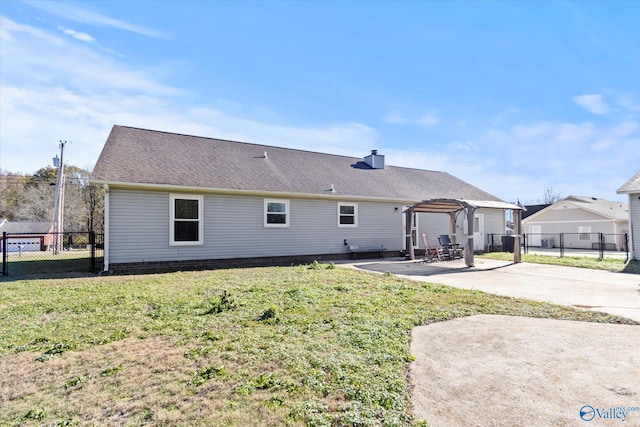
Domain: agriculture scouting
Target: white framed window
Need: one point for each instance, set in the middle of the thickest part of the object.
(584, 232)
(276, 213)
(185, 220)
(347, 214)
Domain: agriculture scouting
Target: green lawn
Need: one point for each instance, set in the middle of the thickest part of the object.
(609, 264)
(306, 345)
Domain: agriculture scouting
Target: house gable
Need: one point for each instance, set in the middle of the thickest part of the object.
(576, 208)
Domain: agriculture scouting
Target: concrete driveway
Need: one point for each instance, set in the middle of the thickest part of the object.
(614, 293)
(517, 371)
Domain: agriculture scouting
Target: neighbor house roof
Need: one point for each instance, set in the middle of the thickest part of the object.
(26, 227)
(531, 209)
(631, 186)
(140, 157)
(617, 211)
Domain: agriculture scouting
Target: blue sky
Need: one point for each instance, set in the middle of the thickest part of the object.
(513, 97)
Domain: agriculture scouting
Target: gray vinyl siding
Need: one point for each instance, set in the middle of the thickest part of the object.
(233, 227)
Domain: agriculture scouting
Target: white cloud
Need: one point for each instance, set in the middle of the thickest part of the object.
(427, 120)
(395, 119)
(77, 35)
(80, 99)
(8, 27)
(573, 132)
(625, 128)
(85, 16)
(533, 131)
(592, 103)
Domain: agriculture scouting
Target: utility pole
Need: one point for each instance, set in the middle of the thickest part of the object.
(58, 204)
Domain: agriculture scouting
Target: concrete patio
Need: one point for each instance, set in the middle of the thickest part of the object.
(614, 293)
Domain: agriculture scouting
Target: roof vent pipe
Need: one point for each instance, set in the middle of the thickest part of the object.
(265, 155)
(375, 160)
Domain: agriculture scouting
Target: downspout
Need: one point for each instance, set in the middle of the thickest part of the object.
(106, 228)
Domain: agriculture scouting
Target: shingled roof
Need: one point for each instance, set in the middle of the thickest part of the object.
(26, 227)
(631, 186)
(133, 156)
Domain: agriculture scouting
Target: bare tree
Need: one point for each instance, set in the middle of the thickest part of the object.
(551, 196)
(36, 203)
(11, 186)
(34, 195)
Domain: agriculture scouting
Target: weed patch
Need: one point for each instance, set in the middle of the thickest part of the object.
(203, 375)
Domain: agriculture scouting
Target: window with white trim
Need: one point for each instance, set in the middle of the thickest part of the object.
(584, 232)
(185, 220)
(276, 213)
(347, 215)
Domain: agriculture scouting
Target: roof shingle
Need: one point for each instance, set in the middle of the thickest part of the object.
(140, 156)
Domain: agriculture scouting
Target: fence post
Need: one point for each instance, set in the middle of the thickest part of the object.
(626, 245)
(600, 246)
(5, 258)
(561, 245)
(92, 243)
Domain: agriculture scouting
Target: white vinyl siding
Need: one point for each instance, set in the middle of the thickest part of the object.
(634, 225)
(276, 213)
(347, 215)
(185, 220)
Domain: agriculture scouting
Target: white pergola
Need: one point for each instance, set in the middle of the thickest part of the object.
(453, 207)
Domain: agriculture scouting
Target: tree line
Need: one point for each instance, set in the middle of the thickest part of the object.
(31, 198)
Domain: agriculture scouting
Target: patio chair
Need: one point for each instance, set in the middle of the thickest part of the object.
(430, 254)
(454, 249)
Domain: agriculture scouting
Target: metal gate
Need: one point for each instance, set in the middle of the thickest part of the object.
(27, 255)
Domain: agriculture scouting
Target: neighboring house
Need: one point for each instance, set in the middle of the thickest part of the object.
(632, 188)
(532, 209)
(579, 219)
(177, 201)
(26, 236)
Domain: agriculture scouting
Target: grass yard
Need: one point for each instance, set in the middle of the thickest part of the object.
(609, 264)
(305, 345)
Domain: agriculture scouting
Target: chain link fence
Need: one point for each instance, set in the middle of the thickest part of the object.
(27, 255)
(598, 245)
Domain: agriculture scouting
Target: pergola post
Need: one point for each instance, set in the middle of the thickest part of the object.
(517, 226)
(468, 249)
(452, 227)
(409, 234)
